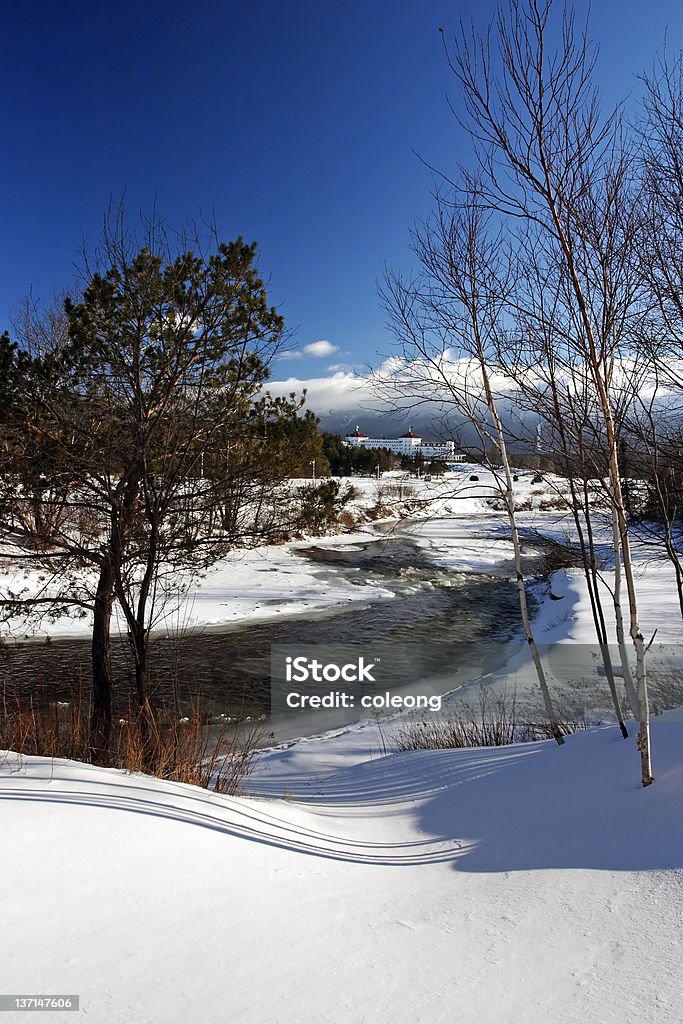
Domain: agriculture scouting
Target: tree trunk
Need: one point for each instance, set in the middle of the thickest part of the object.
(593, 585)
(102, 679)
(619, 622)
(526, 622)
(146, 719)
(590, 570)
(517, 548)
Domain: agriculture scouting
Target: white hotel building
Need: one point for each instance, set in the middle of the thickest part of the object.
(409, 444)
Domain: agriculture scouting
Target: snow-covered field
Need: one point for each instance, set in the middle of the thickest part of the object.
(521, 885)
(518, 885)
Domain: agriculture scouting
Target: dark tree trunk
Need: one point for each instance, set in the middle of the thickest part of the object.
(146, 718)
(102, 679)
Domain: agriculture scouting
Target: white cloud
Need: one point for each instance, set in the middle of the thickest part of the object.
(343, 367)
(320, 348)
(315, 349)
(401, 392)
(338, 392)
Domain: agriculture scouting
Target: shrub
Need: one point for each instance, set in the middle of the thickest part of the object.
(321, 504)
(347, 519)
(494, 722)
(397, 490)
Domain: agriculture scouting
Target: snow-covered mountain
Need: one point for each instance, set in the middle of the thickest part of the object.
(344, 400)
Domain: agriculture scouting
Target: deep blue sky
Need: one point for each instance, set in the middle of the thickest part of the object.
(295, 121)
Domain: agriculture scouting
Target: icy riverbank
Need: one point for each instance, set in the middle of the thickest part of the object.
(256, 584)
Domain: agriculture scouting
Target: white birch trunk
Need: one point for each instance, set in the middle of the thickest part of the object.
(639, 645)
(519, 575)
(629, 684)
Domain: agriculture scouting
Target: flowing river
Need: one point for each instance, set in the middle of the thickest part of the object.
(453, 623)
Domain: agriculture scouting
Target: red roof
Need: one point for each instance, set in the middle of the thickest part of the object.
(411, 434)
(357, 433)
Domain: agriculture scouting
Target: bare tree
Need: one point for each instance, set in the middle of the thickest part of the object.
(656, 424)
(662, 251)
(539, 356)
(452, 314)
(552, 167)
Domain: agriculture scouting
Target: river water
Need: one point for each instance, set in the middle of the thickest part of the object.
(453, 622)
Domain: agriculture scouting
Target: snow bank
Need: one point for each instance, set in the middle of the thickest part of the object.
(521, 884)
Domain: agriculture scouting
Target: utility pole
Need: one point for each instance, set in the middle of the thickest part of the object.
(313, 469)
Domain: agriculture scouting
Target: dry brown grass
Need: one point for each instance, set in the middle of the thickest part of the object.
(347, 519)
(379, 512)
(494, 721)
(178, 749)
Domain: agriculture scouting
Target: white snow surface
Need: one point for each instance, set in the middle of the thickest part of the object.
(518, 885)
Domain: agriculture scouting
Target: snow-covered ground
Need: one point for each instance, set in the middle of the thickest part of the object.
(274, 581)
(519, 885)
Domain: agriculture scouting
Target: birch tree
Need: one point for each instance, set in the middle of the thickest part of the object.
(547, 160)
(448, 321)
